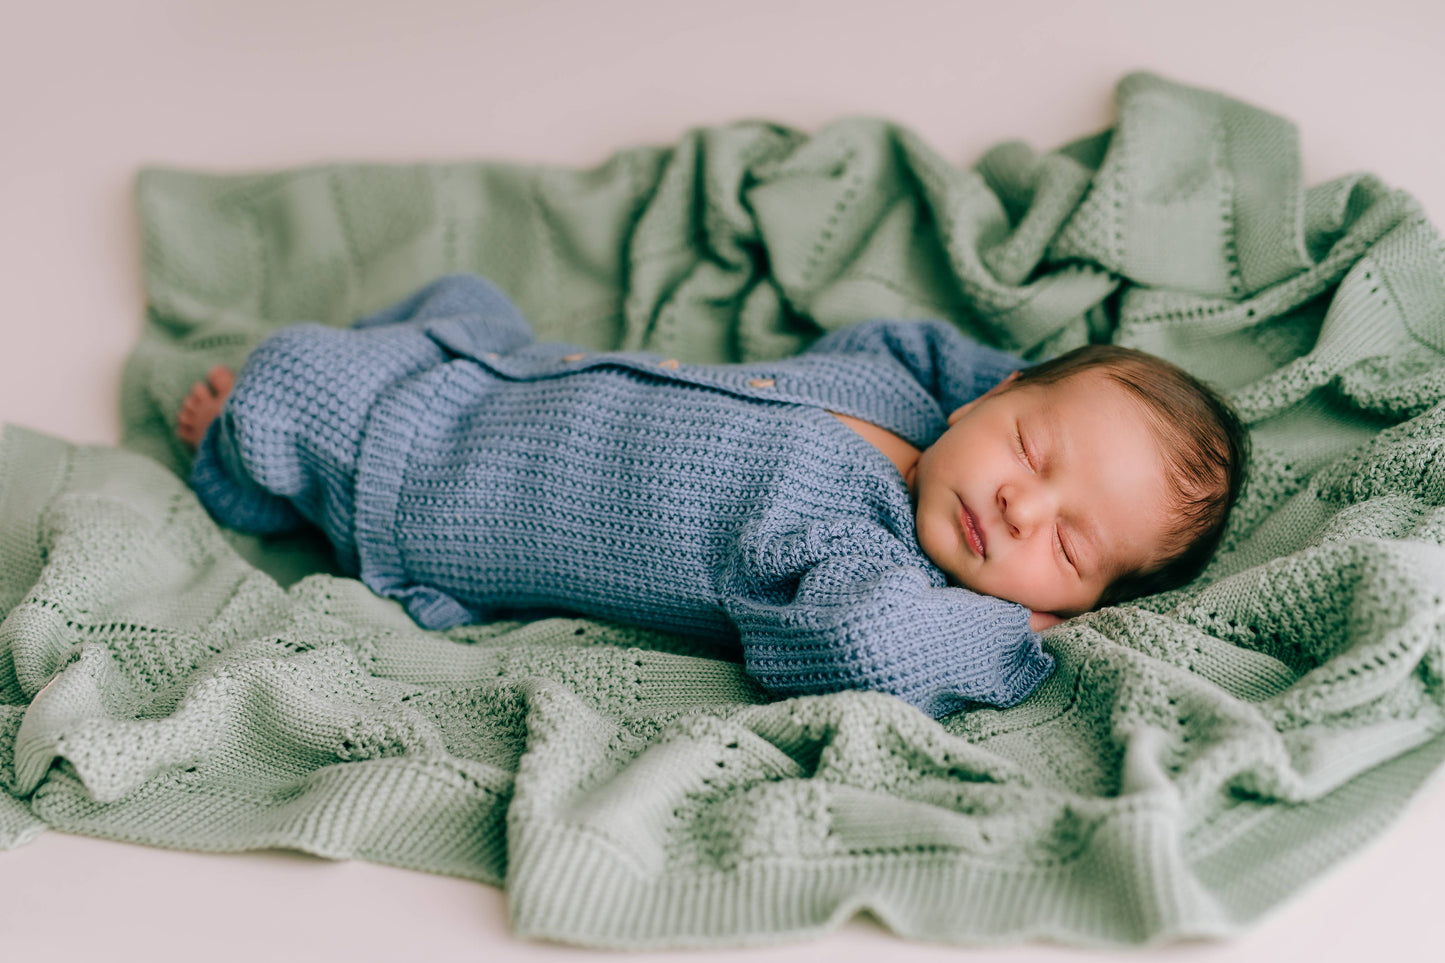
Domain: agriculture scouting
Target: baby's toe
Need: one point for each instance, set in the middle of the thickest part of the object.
(222, 379)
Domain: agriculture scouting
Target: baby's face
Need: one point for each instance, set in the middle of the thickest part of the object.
(1043, 494)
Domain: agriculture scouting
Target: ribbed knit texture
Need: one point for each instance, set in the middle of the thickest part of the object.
(1195, 757)
(470, 474)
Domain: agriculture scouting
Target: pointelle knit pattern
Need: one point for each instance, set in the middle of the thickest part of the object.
(1194, 758)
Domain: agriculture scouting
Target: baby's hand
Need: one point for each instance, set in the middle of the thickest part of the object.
(1038, 621)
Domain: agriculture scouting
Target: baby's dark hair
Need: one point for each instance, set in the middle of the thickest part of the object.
(1204, 442)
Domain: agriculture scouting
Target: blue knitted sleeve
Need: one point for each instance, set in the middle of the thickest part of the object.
(950, 366)
(463, 311)
(227, 491)
(857, 620)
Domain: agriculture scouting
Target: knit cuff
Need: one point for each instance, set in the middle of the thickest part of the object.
(220, 481)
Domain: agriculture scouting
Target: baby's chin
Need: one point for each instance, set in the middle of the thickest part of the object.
(1005, 596)
(970, 580)
(1031, 600)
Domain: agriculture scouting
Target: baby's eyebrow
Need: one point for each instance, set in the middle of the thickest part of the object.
(1054, 431)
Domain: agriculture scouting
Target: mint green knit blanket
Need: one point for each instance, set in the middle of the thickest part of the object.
(1197, 756)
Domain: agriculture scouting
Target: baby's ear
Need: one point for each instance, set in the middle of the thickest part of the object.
(964, 409)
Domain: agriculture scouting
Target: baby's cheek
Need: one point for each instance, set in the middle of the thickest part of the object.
(1025, 578)
(933, 542)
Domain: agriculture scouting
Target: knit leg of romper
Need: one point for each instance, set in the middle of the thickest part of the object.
(284, 448)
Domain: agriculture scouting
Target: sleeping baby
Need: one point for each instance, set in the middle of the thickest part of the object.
(897, 508)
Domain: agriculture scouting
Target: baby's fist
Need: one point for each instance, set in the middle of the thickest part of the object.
(1038, 621)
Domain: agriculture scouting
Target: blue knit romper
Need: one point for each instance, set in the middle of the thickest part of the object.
(469, 472)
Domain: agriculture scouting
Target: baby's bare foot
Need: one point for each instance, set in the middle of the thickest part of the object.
(203, 404)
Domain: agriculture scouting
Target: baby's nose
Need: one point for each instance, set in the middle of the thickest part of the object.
(1022, 511)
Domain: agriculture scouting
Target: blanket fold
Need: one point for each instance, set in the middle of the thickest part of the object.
(1196, 757)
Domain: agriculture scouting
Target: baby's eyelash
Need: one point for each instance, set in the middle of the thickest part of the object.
(1060, 540)
(1019, 447)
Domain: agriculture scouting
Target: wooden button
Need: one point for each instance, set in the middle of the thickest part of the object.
(761, 382)
(669, 364)
(578, 356)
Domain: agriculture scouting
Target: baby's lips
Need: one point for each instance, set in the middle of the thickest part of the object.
(972, 530)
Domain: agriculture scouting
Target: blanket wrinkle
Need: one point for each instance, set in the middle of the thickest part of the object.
(1196, 758)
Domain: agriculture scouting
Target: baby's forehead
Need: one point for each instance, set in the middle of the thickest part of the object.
(1078, 389)
(1082, 393)
(1083, 382)
(1120, 442)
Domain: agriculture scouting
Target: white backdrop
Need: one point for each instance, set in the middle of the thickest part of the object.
(90, 91)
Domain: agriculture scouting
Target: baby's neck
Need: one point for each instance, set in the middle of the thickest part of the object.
(903, 455)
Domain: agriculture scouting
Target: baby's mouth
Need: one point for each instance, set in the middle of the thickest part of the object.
(972, 531)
